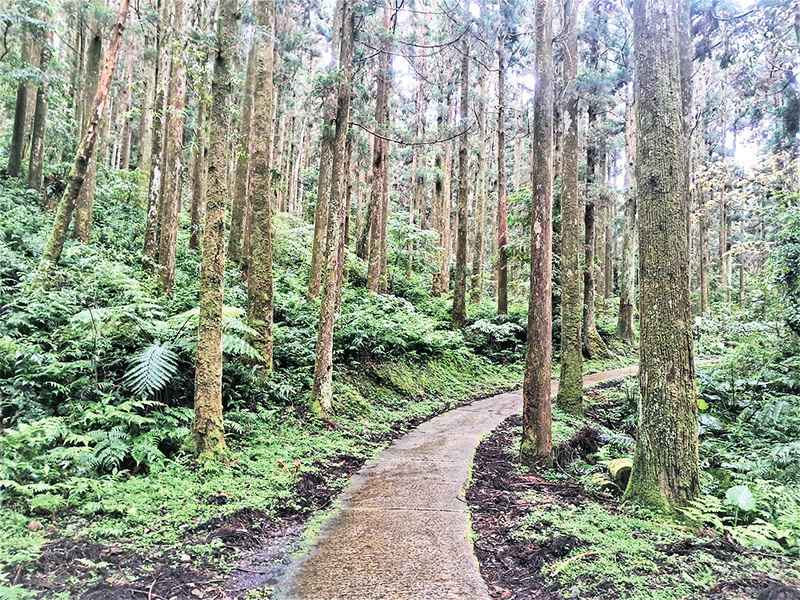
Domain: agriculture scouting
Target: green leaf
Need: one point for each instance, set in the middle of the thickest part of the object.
(151, 369)
(740, 497)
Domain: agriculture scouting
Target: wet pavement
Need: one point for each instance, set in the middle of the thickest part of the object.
(402, 531)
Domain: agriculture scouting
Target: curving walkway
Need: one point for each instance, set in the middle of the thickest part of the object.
(402, 532)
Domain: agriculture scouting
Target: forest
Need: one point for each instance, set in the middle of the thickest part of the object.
(400, 299)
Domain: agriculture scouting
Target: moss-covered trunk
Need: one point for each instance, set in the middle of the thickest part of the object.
(240, 194)
(36, 164)
(665, 467)
(459, 311)
(536, 410)
(208, 430)
(259, 282)
(322, 389)
(570, 392)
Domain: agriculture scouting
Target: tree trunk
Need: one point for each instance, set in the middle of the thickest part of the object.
(66, 206)
(460, 284)
(570, 391)
(259, 281)
(536, 410)
(484, 147)
(702, 230)
(157, 151)
(18, 138)
(125, 142)
(665, 465)
(502, 202)
(146, 123)
(627, 280)
(173, 150)
(36, 165)
(380, 150)
(199, 168)
(209, 434)
(239, 203)
(84, 204)
(441, 193)
(322, 389)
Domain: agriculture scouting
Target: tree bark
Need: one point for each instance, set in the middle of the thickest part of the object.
(84, 204)
(627, 280)
(459, 314)
(379, 157)
(259, 281)
(322, 389)
(665, 466)
(240, 195)
(484, 147)
(502, 202)
(66, 206)
(173, 150)
(536, 409)
(157, 151)
(18, 139)
(36, 164)
(208, 430)
(199, 168)
(441, 193)
(570, 391)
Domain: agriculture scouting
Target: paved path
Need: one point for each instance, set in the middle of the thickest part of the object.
(402, 532)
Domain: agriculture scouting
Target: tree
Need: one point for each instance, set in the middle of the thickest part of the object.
(209, 435)
(536, 409)
(173, 149)
(502, 201)
(459, 313)
(239, 201)
(379, 160)
(259, 283)
(36, 165)
(627, 278)
(66, 206)
(322, 389)
(570, 392)
(665, 466)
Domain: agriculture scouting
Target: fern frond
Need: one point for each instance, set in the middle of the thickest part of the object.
(151, 369)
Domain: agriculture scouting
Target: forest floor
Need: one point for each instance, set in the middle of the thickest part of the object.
(563, 532)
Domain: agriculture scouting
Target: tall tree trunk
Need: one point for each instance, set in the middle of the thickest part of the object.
(239, 203)
(322, 208)
(146, 123)
(157, 151)
(536, 409)
(199, 168)
(502, 202)
(209, 434)
(84, 204)
(173, 151)
(66, 206)
(384, 279)
(126, 135)
(36, 165)
(259, 281)
(570, 391)
(322, 389)
(665, 465)
(460, 284)
(441, 193)
(627, 280)
(484, 147)
(702, 231)
(18, 138)
(380, 150)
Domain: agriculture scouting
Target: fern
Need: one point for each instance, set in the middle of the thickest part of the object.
(151, 369)
(237, 346)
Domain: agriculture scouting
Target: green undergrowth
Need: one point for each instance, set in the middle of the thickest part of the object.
(741, 534)
(271, 450)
